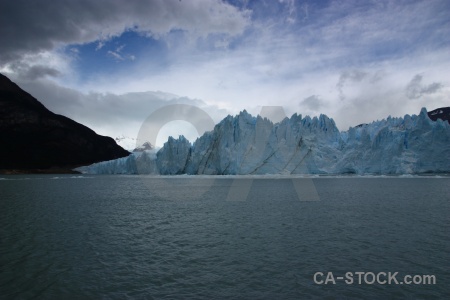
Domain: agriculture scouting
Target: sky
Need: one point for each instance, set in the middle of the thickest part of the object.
(110, 64)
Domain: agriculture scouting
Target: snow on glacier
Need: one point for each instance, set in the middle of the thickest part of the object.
(247, 145)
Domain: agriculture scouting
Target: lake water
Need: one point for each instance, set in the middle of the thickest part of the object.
(185, 238)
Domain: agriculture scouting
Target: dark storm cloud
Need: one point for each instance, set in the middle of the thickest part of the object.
(30, 27)
(415, 88)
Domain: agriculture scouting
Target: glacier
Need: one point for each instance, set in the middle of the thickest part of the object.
(248, 145)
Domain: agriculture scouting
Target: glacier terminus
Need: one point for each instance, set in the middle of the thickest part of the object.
(245, 145)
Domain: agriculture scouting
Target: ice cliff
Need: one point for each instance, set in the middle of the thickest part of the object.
(252, 145)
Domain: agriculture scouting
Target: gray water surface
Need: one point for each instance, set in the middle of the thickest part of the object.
(165, 238)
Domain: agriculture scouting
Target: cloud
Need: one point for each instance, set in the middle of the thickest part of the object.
(100, 45)
(120, 48)
(305, 10)
(348, 59)
(312, 103)
(119, 55)
(41, 71)
(349, 76)
(291, 10)
(33, 72)
(45, 64)
(415, 89)
(108, 113)
(43, 25)
(115, 55)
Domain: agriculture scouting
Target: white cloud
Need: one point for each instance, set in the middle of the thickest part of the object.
(120, 48)
(100, 45)
(115, 55)
(291, 10)
(355, 58)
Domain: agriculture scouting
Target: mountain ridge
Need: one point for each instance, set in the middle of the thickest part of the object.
(442, 113)
(34, 139)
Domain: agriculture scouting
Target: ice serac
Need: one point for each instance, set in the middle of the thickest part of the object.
(244, 144)
(413, 144)
(253, 145)
(173, 156)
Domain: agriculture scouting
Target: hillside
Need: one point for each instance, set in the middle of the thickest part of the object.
(34, 139)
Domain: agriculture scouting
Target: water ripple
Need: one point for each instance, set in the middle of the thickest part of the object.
(114, 237)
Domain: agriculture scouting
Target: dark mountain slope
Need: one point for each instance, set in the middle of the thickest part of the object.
(442, 113)
(32, 137)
